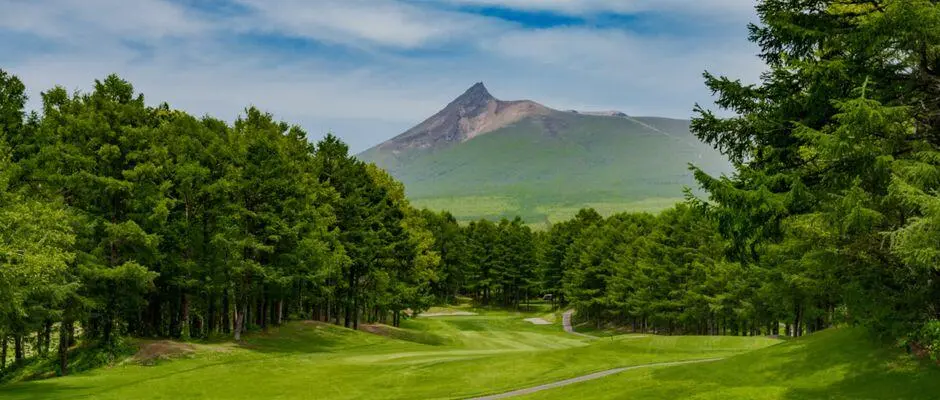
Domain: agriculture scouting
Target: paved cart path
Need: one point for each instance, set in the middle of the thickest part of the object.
(566, 323)
(588, 377)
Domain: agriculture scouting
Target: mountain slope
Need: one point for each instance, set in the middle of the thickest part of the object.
(482, 157)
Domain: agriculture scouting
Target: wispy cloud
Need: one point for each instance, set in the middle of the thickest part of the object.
(646, 64)
(580, 7)
(388, 23)
(77, 20)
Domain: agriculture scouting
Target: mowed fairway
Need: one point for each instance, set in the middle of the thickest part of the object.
(842, 363)
(433, 357)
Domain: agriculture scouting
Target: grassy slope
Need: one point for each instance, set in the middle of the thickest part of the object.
(477, 354)
(548, 169)
(834, 364)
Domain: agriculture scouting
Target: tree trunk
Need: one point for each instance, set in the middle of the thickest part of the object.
(798, 322)
(259, 312)
(65, 336)
(48, 337)
(336, 312)
(271, 310)
(226, 313)
(184, 315)
(263, 312)
(108, 326)
(350, 296)
(18, 351)
(40, 340)
(3, 351)
(280, 311)
(210, 324)
(355, 313)
(240, 320)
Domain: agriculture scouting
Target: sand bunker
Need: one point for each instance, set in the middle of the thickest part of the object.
(538, 321)
(448, 314)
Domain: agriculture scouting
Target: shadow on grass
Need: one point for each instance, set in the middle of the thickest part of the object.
(285, 341)
(83, 357)
(45, 389)
(305, 337)
(32, 390)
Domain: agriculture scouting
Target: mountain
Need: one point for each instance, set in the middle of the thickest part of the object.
(474, 113)
(481, 157)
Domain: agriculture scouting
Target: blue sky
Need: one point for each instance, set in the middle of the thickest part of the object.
(369, 69)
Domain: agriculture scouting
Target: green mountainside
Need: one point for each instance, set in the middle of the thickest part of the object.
(544, 164)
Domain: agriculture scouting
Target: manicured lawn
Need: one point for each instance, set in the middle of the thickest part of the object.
(440, 357)
(496, 351)
(833, 364)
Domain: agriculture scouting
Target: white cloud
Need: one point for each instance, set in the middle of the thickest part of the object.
(387, 23)
(76, 20)
(647, 60)
(580, 7)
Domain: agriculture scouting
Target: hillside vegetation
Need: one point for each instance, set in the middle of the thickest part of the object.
(547, 166)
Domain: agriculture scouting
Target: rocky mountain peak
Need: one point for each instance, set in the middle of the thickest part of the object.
(473, 100)
(473, 113)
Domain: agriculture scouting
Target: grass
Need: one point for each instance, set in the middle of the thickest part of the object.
(470, 207)
(834, 364)
(439, 357)
(495, 351)
(544, 170)
(537, 214)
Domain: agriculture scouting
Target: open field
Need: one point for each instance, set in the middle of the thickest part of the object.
(434, 357)
(536, 214)
(488, 351)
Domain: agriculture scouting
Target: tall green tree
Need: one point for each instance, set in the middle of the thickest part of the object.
(836, 151)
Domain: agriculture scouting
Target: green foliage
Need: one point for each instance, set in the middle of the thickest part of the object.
(117, 218)
(836, 151)
(547, 170)
(928, 339)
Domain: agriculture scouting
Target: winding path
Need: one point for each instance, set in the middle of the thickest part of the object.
(583, 378)
(566, 323)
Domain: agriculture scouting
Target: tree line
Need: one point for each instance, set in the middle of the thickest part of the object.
(833, 211)
(838, 162)
(118, 218)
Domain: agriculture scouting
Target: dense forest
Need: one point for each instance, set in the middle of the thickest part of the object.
(118, 218)
(123, 219)
(833, 213)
